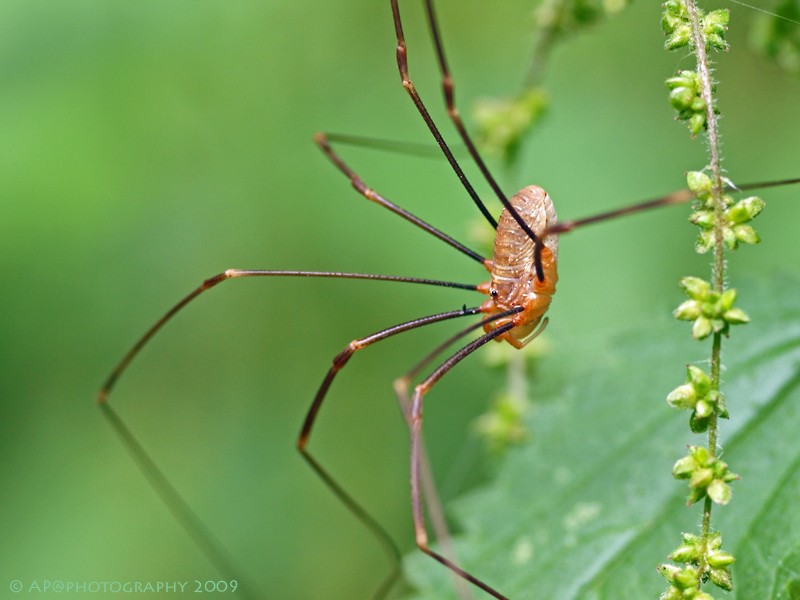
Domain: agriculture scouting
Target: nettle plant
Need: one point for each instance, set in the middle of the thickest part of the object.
(583, 508)
(615, 516)
(723, 224)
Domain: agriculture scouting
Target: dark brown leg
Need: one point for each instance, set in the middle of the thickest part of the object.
(370, 194)
(338, 363)
(417, 459)
(102, 395)
(182, 512)
(402, 64)
(362, 515)
(678, 197)
(448, 89)
(343, 357)
(432, 500)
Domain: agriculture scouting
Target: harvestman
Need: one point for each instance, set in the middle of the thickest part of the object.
(523, 279)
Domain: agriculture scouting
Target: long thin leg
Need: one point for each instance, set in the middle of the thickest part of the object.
(339, 362)
(343, 357)
(678, 197)
(430, 493)
(767, 184)
(402, 63)
(182, 512)
(415, 429)
(373, 196)
(437, 518)
(102, 395)
(395, 146)
(176, 504)
(448, 90)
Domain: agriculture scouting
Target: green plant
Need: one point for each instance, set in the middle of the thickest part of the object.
(588, 512)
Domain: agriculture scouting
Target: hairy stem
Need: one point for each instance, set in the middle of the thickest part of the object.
(719, 244)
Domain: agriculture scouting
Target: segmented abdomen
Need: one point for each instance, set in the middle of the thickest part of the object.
(513, 271)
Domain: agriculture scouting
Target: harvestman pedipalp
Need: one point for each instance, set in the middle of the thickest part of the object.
(523, 280)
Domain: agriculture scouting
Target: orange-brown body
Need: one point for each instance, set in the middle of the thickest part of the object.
(514, 282)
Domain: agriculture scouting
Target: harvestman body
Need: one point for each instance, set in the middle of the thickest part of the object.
(523, 279)
(514, 281)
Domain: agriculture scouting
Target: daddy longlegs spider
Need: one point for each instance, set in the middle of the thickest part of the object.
(512, 312)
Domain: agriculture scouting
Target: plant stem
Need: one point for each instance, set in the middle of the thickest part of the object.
(719, 245)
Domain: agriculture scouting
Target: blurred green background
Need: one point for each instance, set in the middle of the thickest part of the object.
(149, 145)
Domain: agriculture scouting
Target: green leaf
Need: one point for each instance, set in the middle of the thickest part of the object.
(591, 498)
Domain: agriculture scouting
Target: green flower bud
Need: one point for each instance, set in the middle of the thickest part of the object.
(736, 316)
(730, 477)
(719, 492)
(726, 199)
(699, 380)
(700, 454)
(718, 18)
(502, 123)
(668, 571)
(672, 593)
(718, 559)
(687, 79)
(689, 538)
(685, 554)
(697, 123)
(745, 210)
(703, 409)
(701, 328)
(676, 12)
(696, 288)
(709, 309)
(730, 238)
(680, 37)
(722, 410)
(722, 578)
(695, 495)
(688, 311)
(754, 205)
(727, 299)
(698, 182)
(701, 478)
(719, 325)
(683, 397)
(703, 218)
(746, 234)
(681, 98)
(714, 26)
(699, 105)
(686, 578)
(705, 241)
(684, 468)
(716, 41)
(699, 424)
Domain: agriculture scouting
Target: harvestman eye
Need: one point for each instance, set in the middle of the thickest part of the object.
(523, 277)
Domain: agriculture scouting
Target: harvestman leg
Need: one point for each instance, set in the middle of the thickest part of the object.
(448, 89)
(408, 85)
(172, 498)
(431, 494)
(371, 195)
(414, 420)
(362, 515)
